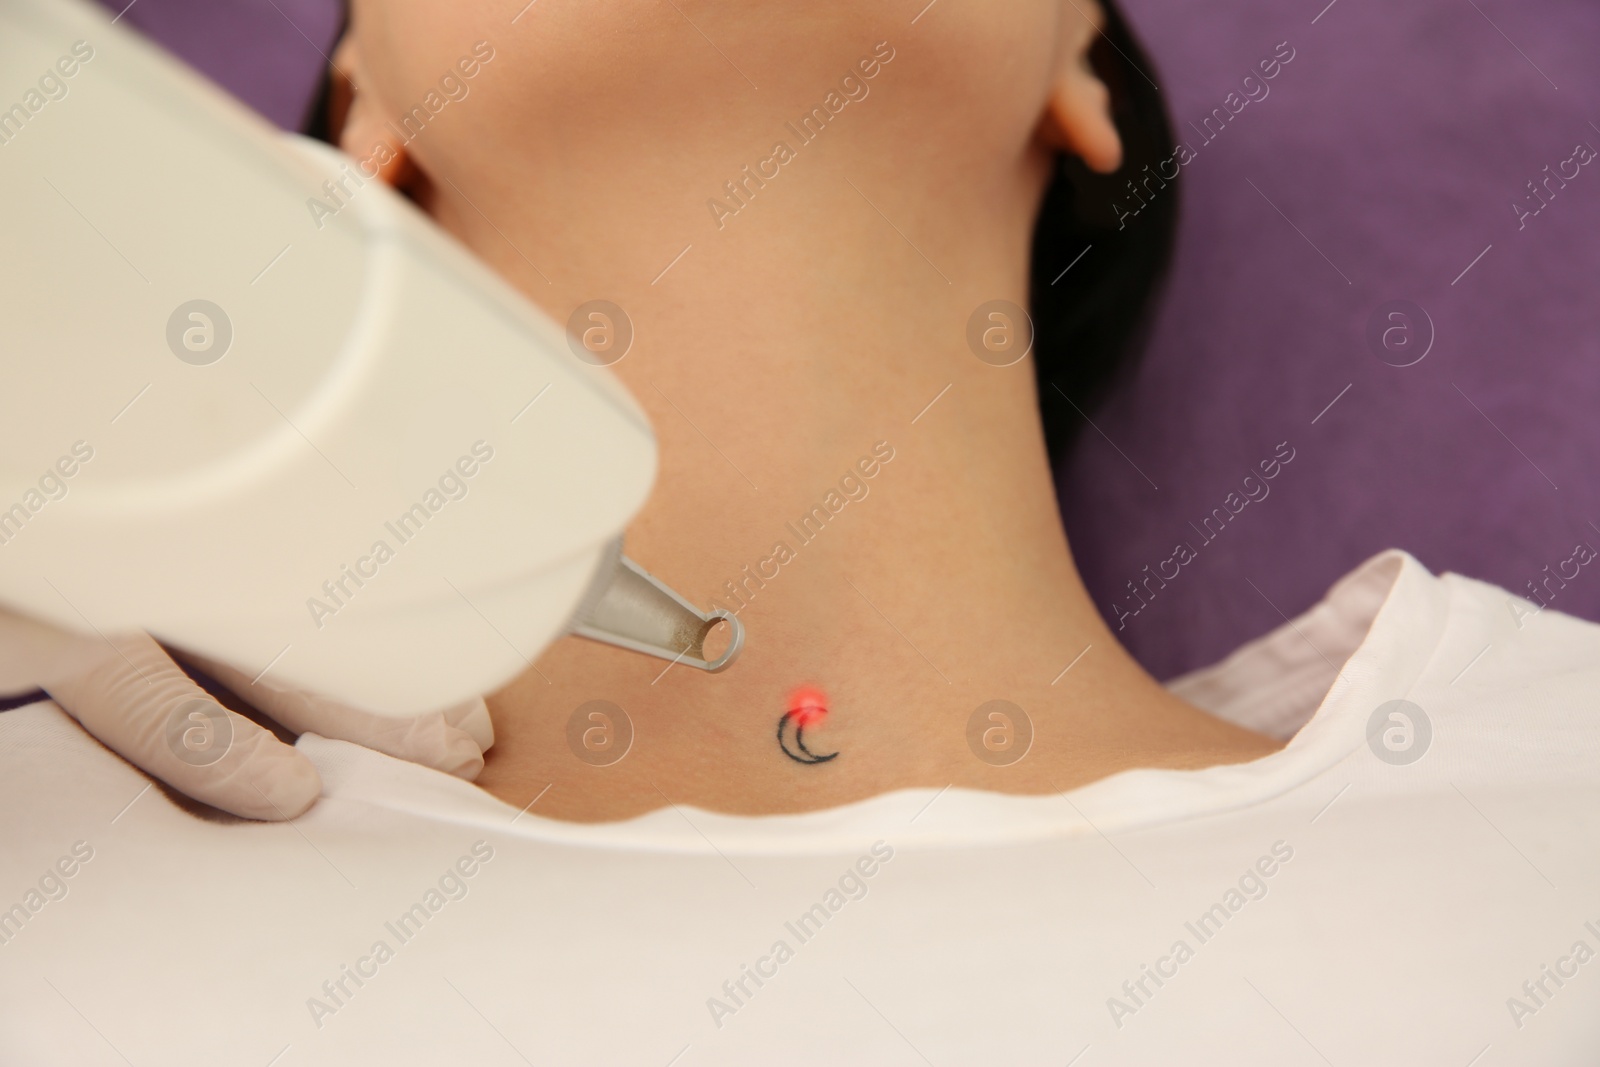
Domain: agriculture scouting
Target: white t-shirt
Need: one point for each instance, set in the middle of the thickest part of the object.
(1410, 884)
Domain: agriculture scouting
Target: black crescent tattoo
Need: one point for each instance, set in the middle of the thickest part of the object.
(805, 755)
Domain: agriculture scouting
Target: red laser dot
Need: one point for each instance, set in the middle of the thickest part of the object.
(808, 705)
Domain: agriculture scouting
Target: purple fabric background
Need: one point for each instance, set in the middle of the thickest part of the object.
(269, 53)
(1393, 146)
(1383, 160)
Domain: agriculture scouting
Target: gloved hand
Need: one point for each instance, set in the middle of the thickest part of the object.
(129, 694)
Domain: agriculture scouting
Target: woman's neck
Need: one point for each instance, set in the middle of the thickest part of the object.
(873, 499)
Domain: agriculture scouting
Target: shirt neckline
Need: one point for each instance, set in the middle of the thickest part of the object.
(1405, 629)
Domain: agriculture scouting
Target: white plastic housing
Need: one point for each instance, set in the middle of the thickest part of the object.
(369, 354)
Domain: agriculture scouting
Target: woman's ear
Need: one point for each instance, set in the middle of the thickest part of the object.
(1078, 113)
(356, 122)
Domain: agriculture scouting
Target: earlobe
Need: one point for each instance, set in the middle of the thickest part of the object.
(1078, 113)
(1078, 120)
(356, 122)
(377, 149)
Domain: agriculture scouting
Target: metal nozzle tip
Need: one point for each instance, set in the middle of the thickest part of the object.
(635, 610)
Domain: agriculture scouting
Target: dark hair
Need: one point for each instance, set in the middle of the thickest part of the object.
(1091, 323)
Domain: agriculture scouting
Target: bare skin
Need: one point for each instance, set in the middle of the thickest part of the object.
(817, 322)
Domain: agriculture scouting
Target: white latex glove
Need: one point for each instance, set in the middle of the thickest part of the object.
(130, 695)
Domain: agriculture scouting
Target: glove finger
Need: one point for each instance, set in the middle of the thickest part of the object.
(472, 717)
(141, 705)
(33, 653)
(452, 740)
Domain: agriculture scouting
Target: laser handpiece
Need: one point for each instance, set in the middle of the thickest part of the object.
(268, 395)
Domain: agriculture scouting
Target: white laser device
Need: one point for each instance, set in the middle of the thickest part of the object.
(332, 447)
